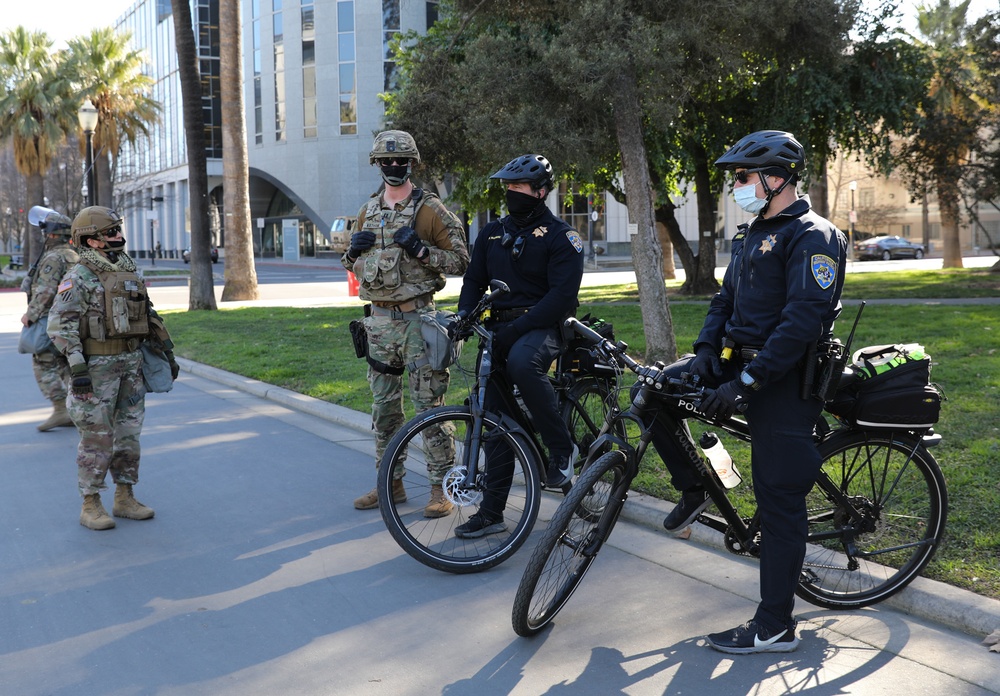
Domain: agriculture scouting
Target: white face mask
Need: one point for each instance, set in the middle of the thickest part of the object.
(746, 198)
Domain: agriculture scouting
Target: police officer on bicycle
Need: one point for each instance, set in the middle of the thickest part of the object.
(779, 297)
(540, 257)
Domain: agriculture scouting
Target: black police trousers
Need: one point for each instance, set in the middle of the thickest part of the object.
(785, 463)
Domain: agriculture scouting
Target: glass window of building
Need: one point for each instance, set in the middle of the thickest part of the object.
(390, 27)
(258, 106)
(308, 70)
(279, 72)
(347, 68)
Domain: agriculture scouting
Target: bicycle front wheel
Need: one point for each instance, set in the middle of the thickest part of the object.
(879, 527)
(434, 449)
(570, 543)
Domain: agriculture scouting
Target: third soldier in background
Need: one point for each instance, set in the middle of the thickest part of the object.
(58, 256)
(405, 243)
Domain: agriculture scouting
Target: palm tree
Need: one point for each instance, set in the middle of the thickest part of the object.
(30, 100)
(103, 67)
(953, 114)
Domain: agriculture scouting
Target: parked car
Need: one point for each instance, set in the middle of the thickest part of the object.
(886, 248)
(186, 255)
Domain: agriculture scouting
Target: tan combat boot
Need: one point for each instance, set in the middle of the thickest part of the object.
(93, 515)
(439, 506)
(127, 506)
(59, 418)
(369, 501)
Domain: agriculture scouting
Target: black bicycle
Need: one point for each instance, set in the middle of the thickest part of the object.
(876, 513)
(454, 440)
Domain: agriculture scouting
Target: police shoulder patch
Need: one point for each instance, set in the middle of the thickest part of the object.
(574, 239)
(824, 270)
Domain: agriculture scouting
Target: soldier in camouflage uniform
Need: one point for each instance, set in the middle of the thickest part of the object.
(100, 316)
(405, 243)
(50, 368)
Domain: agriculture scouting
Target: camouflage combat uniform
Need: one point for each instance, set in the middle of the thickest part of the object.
(401, 288)
(86, 329)
(50, 368)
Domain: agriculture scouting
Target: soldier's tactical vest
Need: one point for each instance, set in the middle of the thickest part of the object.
(125, 313)
(390, 274)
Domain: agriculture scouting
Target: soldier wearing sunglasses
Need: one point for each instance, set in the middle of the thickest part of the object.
(540, 257)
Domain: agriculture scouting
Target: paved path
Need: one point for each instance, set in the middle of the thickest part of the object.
(258, 577)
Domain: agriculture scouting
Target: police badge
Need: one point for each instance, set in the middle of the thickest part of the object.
(824, 270)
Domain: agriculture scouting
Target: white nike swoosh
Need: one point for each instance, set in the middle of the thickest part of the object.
(758, 643)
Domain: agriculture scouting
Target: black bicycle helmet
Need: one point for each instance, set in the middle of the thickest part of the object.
(527, 169)
(763, 150)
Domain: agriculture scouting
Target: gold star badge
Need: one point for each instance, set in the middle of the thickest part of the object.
(768, 244)
(540, 231)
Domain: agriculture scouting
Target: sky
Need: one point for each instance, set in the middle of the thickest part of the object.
(66, 19)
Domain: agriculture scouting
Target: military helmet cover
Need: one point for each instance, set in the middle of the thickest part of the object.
(393, 143)
(94, 221)
(527, 169)
(763, 150)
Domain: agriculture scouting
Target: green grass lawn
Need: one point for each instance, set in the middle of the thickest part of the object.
(308, 350)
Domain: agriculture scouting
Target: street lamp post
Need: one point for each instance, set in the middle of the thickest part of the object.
(87, 116)
(854, 218)
(152, 225)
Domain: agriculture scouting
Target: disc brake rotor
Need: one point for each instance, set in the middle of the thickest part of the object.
(455, 493)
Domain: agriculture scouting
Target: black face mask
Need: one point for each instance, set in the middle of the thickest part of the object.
(523, 207)
(115, 244)
(395, 174)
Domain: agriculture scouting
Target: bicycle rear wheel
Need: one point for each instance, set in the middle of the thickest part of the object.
(440, 437)
(584, 408)
(898, 496)
(570, 544)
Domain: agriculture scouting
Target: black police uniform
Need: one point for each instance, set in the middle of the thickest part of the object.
(780, 294)
(542, 263)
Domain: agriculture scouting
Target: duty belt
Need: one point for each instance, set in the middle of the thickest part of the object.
(112, 346)
(505, 315)
(748, 353)
(404, 310)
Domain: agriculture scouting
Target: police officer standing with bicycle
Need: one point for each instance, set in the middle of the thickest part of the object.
(779, 297)
(406, 242)
(540, 257)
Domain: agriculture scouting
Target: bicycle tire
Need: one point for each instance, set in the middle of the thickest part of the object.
(585, 406)
(570, 543)
(432, 541)
(898, 488)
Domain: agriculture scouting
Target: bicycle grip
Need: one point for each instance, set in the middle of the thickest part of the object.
(583, 330)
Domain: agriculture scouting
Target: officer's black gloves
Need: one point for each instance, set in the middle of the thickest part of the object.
(726, 400)
(458, 330)
(504, 338)
(706, 363)
(361, 242)
(407, 238)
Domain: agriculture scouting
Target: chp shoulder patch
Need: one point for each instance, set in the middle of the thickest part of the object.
(824, 270)
(574, 238)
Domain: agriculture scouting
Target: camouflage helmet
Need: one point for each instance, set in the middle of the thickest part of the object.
(94, 222)
(527, 169)
(50, 222)
(393, 143)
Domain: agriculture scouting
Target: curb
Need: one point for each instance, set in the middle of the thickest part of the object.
(928, 599)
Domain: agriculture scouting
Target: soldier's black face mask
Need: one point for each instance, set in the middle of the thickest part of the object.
(394, 174)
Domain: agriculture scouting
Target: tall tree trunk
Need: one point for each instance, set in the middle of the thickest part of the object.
(646, 254)
(201, 291)
(33, 242)
(105, 194)
(702, 281)
(948, 207)
(241, 275)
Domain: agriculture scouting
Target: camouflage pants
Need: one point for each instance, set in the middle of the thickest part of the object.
(397, 342)
(52, 374)
(110, 421)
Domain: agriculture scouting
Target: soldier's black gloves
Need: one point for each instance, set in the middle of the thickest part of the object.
(81, 386)
(407, 238)
(361, 242)
(175, 369)
(726, 400)
(706, 363)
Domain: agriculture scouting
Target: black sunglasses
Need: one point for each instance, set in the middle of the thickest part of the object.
(517, 244)
(394, 162)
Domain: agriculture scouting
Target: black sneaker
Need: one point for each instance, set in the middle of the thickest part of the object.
(753, 638)
(560, 471)
(479, 525)
(693, 502)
